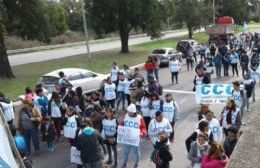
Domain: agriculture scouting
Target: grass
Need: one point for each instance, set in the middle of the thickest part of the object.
(29, 74)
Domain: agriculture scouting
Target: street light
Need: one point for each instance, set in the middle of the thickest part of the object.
(85, 27)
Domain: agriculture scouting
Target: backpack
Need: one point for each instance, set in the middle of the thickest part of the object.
(160, 89)
(155, 158)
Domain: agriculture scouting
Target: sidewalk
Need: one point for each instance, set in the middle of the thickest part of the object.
(247, 151)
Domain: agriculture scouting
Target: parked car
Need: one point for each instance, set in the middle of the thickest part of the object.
(182, 46)
(164, 54)
(86, 79)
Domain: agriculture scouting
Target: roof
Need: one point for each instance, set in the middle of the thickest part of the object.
(67, 71)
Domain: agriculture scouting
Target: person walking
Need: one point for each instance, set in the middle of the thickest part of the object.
(216, 157)
(230, 141)
(171, 111)
(175, 68)
(120, 91)
(218, 62)
(48, 133)
(230, 117)
(238, 96)
(29, 119)
(149, 66)
(156, 104)
(110, 93)
(200, 79)
(189, 58)
(199, 149)
(109, 134)
(234, 61)
(41, 102)
(244, 62)
(249, 85)
(157, 67)
(90, 144)
(133, 120)
(114, 73)
(202, 51)
(226, 62)
(144, 108)
(157, 126)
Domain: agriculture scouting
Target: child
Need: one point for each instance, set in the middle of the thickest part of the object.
(163, 151)
(48, 133)
(109, 134)
(230, 141)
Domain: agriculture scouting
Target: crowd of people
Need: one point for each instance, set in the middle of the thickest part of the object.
(130, 99)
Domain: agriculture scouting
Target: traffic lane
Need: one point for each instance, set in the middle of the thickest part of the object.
(39, 56)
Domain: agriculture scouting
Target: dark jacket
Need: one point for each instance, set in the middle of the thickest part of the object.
(229, 146)
(89, 144)
(164, 154)
(48, 134)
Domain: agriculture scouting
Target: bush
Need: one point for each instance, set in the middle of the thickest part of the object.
(68, 37)
(14, 42)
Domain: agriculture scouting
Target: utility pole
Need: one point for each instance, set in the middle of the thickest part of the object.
(85, 27)
(213, 11)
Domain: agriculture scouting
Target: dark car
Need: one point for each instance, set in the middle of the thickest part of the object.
(183, 46)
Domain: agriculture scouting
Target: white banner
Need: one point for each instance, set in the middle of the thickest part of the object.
(128, 136)
(213, 93)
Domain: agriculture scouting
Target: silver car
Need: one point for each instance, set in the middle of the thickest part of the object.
(164, 54)
(77, 77)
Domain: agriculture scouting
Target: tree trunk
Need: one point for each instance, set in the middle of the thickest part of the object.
(190, 32)
(5, 68)
(124, 36)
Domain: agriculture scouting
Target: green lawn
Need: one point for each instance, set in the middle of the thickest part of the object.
(29, 74)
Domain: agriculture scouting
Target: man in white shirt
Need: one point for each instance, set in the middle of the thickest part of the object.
(110, 92)
(114, 73)
(175, 68)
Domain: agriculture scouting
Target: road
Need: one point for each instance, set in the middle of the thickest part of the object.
(39, 56)
(184, 127)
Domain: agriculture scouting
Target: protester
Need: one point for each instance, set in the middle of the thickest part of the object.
(230, 117)
(48, 133)
(249, 85)
(226, 63)
(238, 96)
(204, 108)
(171, 111)
(144, 108)
(127, 92)
(109, 134)
(244, 62)
(218, 62)
(88, 107)
(80, 95)
(110, 93)
(155, 105)
(200, 79)
(215, 158)
(157, 126)
(137, 122)
(163, 152)
(153, 85)
(193, 46)
(198, 150)
(156, 69)
(214, 126)
(208, 68)
(29, 95)
(7, 107)
(212, 50)
(230, 141)
(62, 84)
(41, 102)
(90, 143)
(255, 75)
(97, 99)
(55, 111)
(114, 73)
(202, 51)
(138, 76)
(149, 66)
(29, 119)
(175, 68)
(234, 59)
(202, 128)
(126, 71)
(71, 123)
(97, 117)
(189, 58)
(120, 91)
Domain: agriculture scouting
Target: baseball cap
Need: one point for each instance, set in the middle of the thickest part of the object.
(131, 108)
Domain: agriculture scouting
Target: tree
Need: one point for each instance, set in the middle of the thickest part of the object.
(28, 15)
(193, 13)
(125, 15)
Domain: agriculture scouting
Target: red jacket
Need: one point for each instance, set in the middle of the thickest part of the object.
(213, 163)
(149, 66)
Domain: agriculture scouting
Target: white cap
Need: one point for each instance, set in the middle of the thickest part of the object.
(131, 108)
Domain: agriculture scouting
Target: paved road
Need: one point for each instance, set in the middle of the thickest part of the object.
(39, 56)
(183, 128)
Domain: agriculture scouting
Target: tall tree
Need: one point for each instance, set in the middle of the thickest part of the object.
(125, 15)
(193, 13)
(28, 15)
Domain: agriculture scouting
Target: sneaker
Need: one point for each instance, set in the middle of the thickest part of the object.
(124, 166)
(109, 162)
(136, 166)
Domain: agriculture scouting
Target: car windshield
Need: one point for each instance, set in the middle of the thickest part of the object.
(159, 51)
(49, 80)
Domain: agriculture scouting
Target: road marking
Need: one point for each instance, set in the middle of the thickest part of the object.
(178, 91)
(182, 101)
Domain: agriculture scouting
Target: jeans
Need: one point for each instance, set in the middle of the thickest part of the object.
(189, 63)
(34, 135)
(58, 126)
(175, 74)
(137, 154)
(150, 73)
(111, 103)
(244, 69)
(114, 147)
(218, 70)
(128, 99)
(156, 73)
(97, 164)
(172, 133)
(121, 98)
(195, 56)
(234, 69)
(226, 67)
